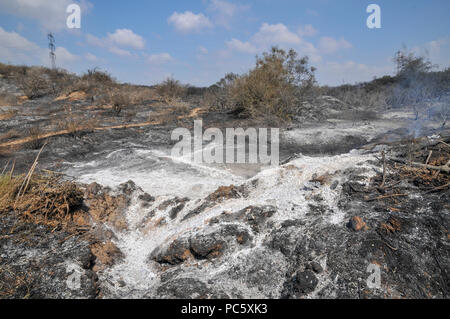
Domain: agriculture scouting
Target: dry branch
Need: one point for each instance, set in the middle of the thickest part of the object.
(443, 168)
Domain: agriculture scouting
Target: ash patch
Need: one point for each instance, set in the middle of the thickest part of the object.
(36, 262)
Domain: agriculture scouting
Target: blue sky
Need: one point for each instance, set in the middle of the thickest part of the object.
(198, 42)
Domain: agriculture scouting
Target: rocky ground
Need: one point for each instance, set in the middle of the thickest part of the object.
(320, 225)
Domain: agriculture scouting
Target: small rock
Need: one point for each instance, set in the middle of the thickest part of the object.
(356, 223)
(176, 253)
(175, 210)
(207, 246)
(316, 267)
(127, 188)
(334, 185)
(146, 198)
(305, 282)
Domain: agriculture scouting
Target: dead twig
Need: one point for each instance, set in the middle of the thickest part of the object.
(428, 158)
(12, 169)
(27, 178)
(438, 188)
(443, 168)
(6, 166)
(384, 169)
(385, 196)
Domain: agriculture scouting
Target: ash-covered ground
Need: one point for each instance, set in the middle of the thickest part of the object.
(328, 220)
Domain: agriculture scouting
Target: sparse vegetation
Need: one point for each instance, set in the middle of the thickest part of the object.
(415, 85)
(35, 83)
(45, 199)
(119, 101)
(275, 86)
(6, 115)
(7, 99)
(35, 134)
(98, 77)
(171, 90)
(73, 123)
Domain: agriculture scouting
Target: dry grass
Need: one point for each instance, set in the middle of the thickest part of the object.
(7, 99)
(72, 123)
(41, 199)
(121, 97)
(35, 83)
(119, 101)
(7, 115)
(98, 77)
(171, 91)
(140, 94)
(15, 284)
(9, 71)
(11, 134)
(177, 111)
(35, 134)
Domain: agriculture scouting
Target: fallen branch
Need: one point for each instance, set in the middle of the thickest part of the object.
(444, 143)
(438, 188)
(443, 168)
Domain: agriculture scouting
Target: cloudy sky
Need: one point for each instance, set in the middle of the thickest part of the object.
(199, 41)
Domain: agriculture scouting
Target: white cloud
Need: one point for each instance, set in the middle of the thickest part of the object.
(160, 58)
(279, 35)
(63, 56)
(189, 22)
(90, 57)
(126, 38)
(307, 31)
(119, 51)
(50, 14)
(16, 49)
(436, 51)
(330, 45)
(224, 12)
(203, 50)
(276, 33)
(118, 42)
(93, 40)
(237, 45)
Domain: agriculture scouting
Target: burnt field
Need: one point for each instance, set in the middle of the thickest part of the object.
(94, 205)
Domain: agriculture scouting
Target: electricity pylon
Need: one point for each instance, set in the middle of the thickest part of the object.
(51, 46)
